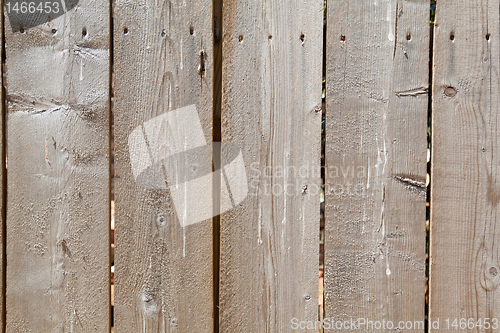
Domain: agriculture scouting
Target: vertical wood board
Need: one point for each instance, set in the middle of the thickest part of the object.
(376, 98)
(271, 109)
(464, 259)
(58, 171)
(163, 64)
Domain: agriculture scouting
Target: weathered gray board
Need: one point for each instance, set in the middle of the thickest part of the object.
(163, 63)
(377, 84)
(58, 171)
(465, 233)
(271, 108)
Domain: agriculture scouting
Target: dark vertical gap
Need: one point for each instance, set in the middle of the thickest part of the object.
(4, 177)
(429, 147)
(111, 165)
(217, 137)
(321, 311)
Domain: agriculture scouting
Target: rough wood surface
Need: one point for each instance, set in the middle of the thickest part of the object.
(58, 172)
(163, 63)
(271, 108)
(377, 82)
(465, 262)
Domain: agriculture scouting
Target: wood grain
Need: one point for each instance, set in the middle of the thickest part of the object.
(58, 173)
(271, 108)
(377, 82)
(163, 63)
(465, 158)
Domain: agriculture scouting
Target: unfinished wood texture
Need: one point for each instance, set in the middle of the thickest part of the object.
(465, 233)
(58, 173)
(271, 108)
(163, 67)
(377, 85)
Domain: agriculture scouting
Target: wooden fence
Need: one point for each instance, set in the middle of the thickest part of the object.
(131, 91)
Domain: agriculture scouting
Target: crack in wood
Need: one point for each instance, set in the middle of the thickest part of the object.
(413, 92)
(411, 182)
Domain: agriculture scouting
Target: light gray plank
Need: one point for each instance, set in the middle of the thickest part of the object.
(58, 172)
(271, 108)
(377, 81)
(465, 264)
(163, 268)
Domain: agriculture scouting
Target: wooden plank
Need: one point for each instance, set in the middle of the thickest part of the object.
(271, 108)
(465, 157)
(58, 172)
(163, 77)
(377, 82)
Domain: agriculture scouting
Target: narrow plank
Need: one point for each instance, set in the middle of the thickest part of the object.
(271, 109)
(465, 175)
(58, 172)
(377, 82)
(163, 104)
